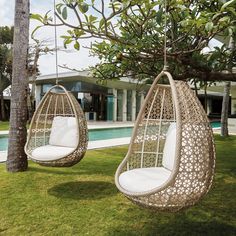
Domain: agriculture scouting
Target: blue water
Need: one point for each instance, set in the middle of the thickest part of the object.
(215, 124)
(98, 134)
(3, 142)
(95, 134)
(101, 134)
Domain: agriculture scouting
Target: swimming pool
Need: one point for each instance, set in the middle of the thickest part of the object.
(215, 124)
(94, 134)
(98, 134)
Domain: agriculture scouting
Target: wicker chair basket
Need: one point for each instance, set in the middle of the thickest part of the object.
(194, 158)
(56, 102)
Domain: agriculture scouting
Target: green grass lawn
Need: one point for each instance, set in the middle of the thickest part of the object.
(83, 200)
(4, 125)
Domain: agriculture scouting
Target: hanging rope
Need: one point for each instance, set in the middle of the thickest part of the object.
(165, 29)
(55, 40)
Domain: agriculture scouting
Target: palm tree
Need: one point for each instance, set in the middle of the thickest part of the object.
(17, 159)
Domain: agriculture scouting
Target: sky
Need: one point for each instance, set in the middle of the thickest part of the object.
(72, 58)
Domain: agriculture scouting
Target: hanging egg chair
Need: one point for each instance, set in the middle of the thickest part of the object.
(171, 157)
(58, 133)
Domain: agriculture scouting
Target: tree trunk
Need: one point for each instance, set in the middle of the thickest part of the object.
(225, 103)
(225, 110)
(195, 87)
(3, 111)
(17, 159)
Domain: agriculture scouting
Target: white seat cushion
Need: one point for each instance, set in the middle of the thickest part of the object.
(169, 148)
(50, 153)
(64, 132)
(144, 179)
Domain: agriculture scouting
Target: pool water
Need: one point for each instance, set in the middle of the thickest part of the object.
(215, 124)
(101, 134)
(98, 134)
(94, 134)
(3, 142)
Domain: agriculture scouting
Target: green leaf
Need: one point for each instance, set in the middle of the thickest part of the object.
(70, 32)
(33, 32)
(77, 45)
(194, 11)
(64, 13)
(101, 23)
(232, 10)
(117, 5)
(159, 16)
(86, 18)
(65, 37)
(67, 41)
(58, 8)
(78, 33)
(209, 26)
(92, 18)
(36, 17)
(230, 30)
(225, 18)
(216, 15)
(83, 7)
(227, 4)
(184, 23)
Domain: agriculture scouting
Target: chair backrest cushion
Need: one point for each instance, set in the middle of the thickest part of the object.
(64, 132)
(169, 148)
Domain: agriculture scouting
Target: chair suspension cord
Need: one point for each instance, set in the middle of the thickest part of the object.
(165, 29)
(55, 39)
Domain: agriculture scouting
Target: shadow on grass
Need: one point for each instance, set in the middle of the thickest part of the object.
(83, 190)
(176, 226)
(194, 221)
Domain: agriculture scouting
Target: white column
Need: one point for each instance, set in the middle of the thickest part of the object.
(233, 105)
(142, 98)
(37, 94)
(133, 102)
(114, 91)
(124, 105)
(209, 106)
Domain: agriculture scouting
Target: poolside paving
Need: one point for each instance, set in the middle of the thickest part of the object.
(3, 156)
(91, 145)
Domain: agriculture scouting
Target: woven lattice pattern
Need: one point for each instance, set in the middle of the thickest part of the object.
(195, 153)
(56, 104)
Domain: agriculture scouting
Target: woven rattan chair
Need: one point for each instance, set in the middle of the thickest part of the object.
(58, 130)
(171, 158)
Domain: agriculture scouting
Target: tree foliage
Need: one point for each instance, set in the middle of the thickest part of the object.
(6, 41)
(130, 35)
(6, 35)
(35, 50)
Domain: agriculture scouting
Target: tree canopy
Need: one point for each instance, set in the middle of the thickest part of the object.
(36, 49)
(6, 41)
(130, 36)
